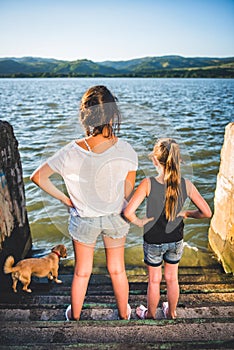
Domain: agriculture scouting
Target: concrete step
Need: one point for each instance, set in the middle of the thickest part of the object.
(205, 315)
(175, 345)
(198, 300)
(117, 332)
(208, 282)
(180, 345)
(106, 312)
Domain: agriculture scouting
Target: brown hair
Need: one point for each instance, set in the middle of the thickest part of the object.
(167, 153)
(99, 113)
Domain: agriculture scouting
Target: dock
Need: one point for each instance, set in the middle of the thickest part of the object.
(36, 320)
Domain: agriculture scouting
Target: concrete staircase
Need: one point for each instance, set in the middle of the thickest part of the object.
(205, 315)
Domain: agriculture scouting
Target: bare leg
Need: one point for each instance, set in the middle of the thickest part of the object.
(83, 268)
(116, 268)
(171, 277)
(153, 292)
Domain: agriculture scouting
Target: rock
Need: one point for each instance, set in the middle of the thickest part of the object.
(221, 231)
(15, 237)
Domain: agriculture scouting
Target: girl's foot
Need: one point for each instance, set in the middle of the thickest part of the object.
(165, 309)
(129, 310)
(141, 312)
(68, 313)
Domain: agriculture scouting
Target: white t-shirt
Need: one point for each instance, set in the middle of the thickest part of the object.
(95, 181)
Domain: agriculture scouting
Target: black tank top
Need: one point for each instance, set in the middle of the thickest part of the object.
(161, 230)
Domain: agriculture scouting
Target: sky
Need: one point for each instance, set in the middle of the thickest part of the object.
(102, 30)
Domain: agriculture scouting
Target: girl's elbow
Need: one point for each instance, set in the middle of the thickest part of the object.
(126, 213)
(208, 213)
(34, 178)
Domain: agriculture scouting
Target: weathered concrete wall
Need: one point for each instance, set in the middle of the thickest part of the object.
(15, 237)
(221, 232)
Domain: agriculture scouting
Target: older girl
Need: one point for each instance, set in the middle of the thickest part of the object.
(163, 226)
(99, 172)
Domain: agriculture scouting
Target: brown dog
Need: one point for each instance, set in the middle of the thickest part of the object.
(40, 267)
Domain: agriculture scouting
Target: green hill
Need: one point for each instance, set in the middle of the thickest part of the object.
(172, 66)
(83, 67)
(165, 66)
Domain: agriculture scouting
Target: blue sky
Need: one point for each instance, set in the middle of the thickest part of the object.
(116, 30)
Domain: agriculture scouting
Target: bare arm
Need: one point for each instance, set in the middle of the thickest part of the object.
(135, 201)
(129, 184)
(203, 209)
(41, 178)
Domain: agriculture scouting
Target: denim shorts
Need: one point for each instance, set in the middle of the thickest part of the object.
(87, 229)
(154, 254)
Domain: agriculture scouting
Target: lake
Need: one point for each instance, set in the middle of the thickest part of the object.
(44, 115)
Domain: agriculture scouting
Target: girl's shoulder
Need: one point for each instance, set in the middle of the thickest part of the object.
(188, 185)
(124, 147)
(146, 185)
(123, 144)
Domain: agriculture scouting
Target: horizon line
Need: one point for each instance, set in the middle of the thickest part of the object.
(113, 60)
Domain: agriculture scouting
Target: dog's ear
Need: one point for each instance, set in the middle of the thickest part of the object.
(53, 248)
(63, 251)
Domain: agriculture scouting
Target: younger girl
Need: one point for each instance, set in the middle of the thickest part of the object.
(163, 226)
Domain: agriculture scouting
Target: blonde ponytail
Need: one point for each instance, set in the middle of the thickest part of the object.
(173, 181)
(167, 153)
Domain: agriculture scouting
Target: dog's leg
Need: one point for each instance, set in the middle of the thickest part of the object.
(55, 276)
(15, 280)
(25, 280)
(50, 277)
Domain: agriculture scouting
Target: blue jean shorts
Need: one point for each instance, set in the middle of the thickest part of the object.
(154, 254)
(86, 229)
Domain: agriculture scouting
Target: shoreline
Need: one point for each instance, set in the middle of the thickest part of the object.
(131, 76)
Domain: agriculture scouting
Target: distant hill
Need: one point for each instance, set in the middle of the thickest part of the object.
(166, 62)
(175, 66)
(85, 67)
(165, 66)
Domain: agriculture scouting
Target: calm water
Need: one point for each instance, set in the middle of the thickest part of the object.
(44, 114)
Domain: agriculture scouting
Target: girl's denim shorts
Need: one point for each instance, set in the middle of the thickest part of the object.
(154, 254)
(86, 229)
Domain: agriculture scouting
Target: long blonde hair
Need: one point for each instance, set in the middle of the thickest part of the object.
(167, 152)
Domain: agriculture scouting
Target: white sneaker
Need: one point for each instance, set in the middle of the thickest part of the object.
(68, 309)
(129, 310)
(165, 308)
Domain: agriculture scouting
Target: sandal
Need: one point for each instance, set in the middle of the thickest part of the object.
(142, 312)
(68, 310)
(129, 310)
(165, 309)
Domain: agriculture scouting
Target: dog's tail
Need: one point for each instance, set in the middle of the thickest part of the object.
(8, 266)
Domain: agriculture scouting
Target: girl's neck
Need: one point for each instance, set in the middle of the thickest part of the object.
(100, 137)
(99, 143)
(160, 178)
(161, 173)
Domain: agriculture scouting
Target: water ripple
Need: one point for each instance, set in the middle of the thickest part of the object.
(44, 114)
